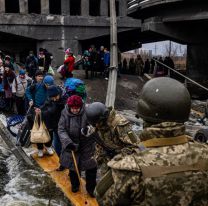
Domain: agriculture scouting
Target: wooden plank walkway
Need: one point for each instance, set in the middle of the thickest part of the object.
(49, 164)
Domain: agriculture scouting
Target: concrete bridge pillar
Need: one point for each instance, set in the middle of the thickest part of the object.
(65, 7)
(23, 5)
(122, 7)
(2, 7)
(104, 7)
(44, 6)
(85, 7)
(197, 61)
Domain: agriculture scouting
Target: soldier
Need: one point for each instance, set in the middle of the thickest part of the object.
(113, 133)
(168, 167)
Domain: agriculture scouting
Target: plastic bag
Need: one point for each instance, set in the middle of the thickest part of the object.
(50, 71)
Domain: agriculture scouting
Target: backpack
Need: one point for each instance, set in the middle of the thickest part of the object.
(74, 86)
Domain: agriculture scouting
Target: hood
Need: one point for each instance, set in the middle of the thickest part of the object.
(68, 113)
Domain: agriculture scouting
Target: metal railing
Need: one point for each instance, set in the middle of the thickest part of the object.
(185, 77)
(134, 3)
(138, 3)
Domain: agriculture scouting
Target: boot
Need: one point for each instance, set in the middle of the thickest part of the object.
(91, 181)
(91, 194)
(40, 153)
(61, 168)
(49, 150)
(74, 181)
(75, 188)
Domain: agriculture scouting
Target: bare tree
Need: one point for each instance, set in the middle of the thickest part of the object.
(171, 49)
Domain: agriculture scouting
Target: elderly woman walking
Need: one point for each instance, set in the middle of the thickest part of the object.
(72, 120)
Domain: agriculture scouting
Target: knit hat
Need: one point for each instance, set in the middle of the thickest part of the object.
(75, 101)
(49, 80)
(7, 57)
(7, 65)
(68, 51)
(53, 91)
(41, 49)
(21, 72)
(38, 72)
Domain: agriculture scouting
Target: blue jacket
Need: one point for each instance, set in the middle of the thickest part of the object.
(107, 59)
(38, 93)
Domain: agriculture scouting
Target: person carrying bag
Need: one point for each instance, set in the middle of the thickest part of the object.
(39, 132)
(40, 136)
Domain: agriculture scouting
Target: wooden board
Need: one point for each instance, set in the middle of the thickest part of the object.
(197, 112)
(49, 164)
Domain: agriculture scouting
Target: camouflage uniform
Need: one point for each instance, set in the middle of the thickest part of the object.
(173, 175)
(116, 135)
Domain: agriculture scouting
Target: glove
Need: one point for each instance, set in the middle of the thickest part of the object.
(87, 131)
(84, 131)
(31, 103)
(72, 147)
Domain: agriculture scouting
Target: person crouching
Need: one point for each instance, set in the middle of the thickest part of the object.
(73, 119)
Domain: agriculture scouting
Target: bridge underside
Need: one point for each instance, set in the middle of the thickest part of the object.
(56, 33)
(16, 45)
(19, 46)
(127, 40)
(182, 21)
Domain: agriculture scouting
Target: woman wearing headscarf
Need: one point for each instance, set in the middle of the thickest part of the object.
(73, 119)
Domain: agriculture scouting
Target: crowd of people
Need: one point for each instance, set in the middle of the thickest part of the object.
(14, 79)
(161, 166)
(138, 66)
(96, 61)
(92, 62)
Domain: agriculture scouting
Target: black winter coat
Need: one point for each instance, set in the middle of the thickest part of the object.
(69, 130)
(51, 113)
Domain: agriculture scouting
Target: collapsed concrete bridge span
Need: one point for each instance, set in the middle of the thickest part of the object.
(57, 25)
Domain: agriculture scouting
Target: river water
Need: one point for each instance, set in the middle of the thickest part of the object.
(21, 185)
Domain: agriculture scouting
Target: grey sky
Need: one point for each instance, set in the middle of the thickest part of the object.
(160, 48)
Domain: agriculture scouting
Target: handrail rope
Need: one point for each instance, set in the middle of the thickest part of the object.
(191, 80)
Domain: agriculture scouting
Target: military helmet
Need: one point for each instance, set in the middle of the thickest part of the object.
(164, 99)
(96, 112)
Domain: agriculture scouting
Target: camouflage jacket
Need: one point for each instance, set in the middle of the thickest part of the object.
(117, 135)
(174, 175)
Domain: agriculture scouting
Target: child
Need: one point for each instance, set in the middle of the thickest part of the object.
(37, 96)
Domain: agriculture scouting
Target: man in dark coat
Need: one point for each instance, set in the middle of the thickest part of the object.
(31, 64)
(73, 119)
(44, 60)
(51, 113)
(147, 66)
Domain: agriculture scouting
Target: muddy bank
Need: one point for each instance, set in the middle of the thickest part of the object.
(128, 89)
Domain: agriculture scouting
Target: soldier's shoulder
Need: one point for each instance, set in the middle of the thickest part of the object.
(126, 162)
(119, 120)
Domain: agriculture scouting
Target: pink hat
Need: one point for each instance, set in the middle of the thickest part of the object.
(68, 51)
